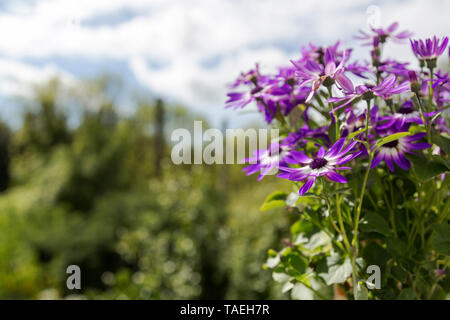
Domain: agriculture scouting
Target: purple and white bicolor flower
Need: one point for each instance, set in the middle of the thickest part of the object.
(268, 161)
(385, 90)
(394, 151)
(404, 115)
(323, 164)
(429, 49)
(382, 34)
(311, 72)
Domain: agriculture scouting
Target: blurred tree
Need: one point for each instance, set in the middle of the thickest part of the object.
(104, 195)
(4, 156)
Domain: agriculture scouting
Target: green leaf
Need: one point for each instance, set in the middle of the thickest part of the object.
(373, 222)
(426, 169)
(297, 262)
(441, 239)
(332, 132)
(301, 226)
(399, 273)
(396, 246)
(274, 200)
(407, 294)
(416, 129)
(391, 138)
(276, 195)
(337, 273)
(442, 142)
(375, 254)
(354, 134)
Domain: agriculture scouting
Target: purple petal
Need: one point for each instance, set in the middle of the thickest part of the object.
(418, 146)
(342, 168)
(401, 161)
(251, 169)
(415, 137)
(392, 27)
(307, 185)
(348, 158)
(388, 160)
(300, 157)
(336, 177)
(283, 175)
(347, 148)
(376, 160)
(329, 57)
(335, 148)
(345, 82)
(298, 176)
(321, 152)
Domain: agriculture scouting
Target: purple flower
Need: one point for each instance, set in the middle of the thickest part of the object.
(441, 87)
(440, 80)
(406, 114)
(380, 35)
(439, 273)
(395, 151)
(237, 100)
(430, 49)
(268, 161)
(394, 67)
(357, 69)
(311, 72)
(323, 164)
(248, 77)
(441, 125)
(299, 138)
(386, 89)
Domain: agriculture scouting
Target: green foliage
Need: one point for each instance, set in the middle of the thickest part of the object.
(403, 229)
(89, 194)
(390, 138)
(275, 200)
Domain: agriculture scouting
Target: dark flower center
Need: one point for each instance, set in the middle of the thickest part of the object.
(405, 110)
(391, 144)
(318, 163)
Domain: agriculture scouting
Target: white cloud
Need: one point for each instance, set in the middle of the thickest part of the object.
(199, 45)
(17, 78)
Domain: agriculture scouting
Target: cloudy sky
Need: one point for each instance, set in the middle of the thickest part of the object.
(185, 51)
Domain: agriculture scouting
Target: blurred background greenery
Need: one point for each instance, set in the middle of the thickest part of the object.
(82, 183)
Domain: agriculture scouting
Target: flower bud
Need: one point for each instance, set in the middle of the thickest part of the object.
(414, 82)
(376, 42)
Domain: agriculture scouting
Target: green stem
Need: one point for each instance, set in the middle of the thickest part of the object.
(367, 121)
(366, 176)
(422, 115)
(361, 198)
(430, 90)
(337, 133)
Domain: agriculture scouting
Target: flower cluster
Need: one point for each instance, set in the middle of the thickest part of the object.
(348, 107)
(378, 126)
